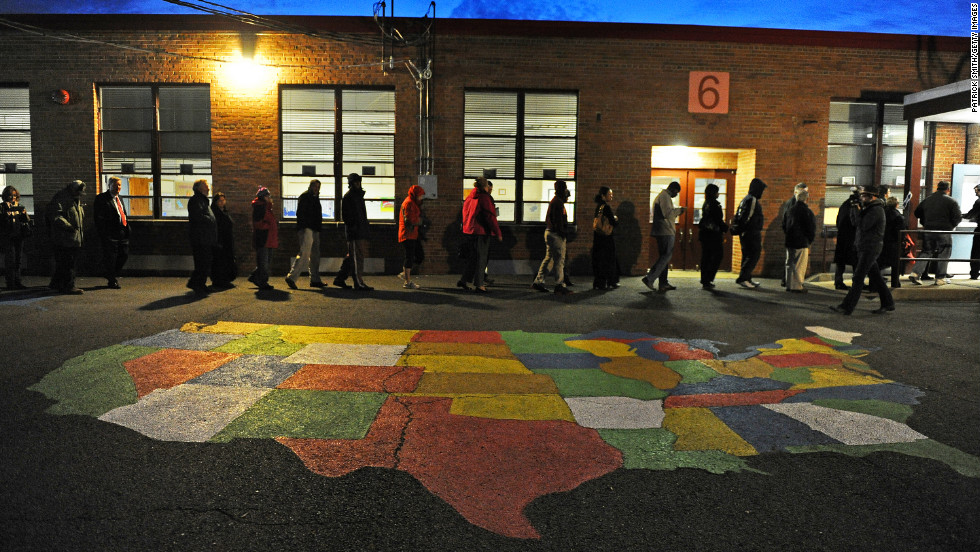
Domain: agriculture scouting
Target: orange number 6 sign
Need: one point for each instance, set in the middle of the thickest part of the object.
(707, 92)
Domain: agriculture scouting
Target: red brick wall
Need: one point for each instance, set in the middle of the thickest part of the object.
(949, 149)
(779, 104)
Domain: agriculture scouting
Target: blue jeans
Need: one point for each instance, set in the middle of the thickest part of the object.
(260, 276)
(659, 269)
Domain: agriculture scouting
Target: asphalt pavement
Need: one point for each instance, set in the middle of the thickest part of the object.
(75, 482)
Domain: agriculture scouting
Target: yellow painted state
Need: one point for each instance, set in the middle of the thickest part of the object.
(351, 336)
(449, 383)
(837, 376)
(603, 347)
(494, 350)
(464, 363)
(749, 368)
(642, 369)
(512, 407)
(700, 429)
(235, 328)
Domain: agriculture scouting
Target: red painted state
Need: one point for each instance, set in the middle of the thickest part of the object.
(681, 351)
(729, 399)
(380, 379)
(435, 336)
(799, 360)
(488, 470)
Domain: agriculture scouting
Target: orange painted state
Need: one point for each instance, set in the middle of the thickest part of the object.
(381, 379)
(171, 367)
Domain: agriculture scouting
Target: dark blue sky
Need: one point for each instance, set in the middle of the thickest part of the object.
(929, 17)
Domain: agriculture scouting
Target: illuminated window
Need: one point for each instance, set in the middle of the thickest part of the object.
(522, 142)
(157, 140)
(15, 144)
(328, 133)
(866, 145)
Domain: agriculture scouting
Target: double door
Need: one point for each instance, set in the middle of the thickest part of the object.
(687, 250)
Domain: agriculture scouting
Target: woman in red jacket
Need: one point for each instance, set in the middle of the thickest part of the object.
(409, 221)
(479, 224)
(265, 237)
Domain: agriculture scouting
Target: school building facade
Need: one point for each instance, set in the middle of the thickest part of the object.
(161, 101)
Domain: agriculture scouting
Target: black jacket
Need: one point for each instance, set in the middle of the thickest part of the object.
(354, 213)
(800, 226)
(108, 222)
(309, 212)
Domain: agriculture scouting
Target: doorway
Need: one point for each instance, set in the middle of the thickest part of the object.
(687, 250)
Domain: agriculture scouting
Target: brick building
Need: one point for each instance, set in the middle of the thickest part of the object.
(156, 101)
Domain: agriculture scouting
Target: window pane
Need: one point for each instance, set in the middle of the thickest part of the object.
(507, 211)
(492, 113)
(365, 147)
(185, 142)
(307, 147)
(185, 108)
(185, 165)
(550, 114)
(368, 111)
(136, 193)
(136, 142)
(850, 155)
(115, 164)
(862, 174)
(175, 191)
(895, 135)
(854, 112)
(851, 133)
(380, 210)
(127, 119)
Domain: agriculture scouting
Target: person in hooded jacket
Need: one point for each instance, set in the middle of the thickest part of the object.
(265, 237)
(66, 215)
(800, 227)
(869, 224)
(750, 221)
(409, 221)
(711, 234)
(479, 225)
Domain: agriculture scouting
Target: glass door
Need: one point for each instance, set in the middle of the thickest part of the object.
(687, 250)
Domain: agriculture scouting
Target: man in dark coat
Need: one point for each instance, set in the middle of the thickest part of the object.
(869, 223)
(936, 212)
(113, 228)
(749, 220)
(203, 236)
(844, 253)
(357, 230)
(309, 220)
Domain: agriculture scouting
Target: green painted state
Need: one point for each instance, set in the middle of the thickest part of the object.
(93, 383)
(960, 461)
(267, 341)
(653, 449)
(521, 342)
(587, 382)
(881, 409)
(692, 371)
(306, 414)
(792, 375)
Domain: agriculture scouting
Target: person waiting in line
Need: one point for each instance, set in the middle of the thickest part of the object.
(891, 248)
(309, 220)
(937, 212)
(15, 226)
(265, 237)
(66, 215)
(605, 264)
(783, 209)
(203, 233)
(747, 225)
(711, 234)
(664, 231)
(357, 230)
(224, 267)
(869, 223)
(844, 253)
(800, 227)
(113, 229)
(479, 225)
(555, 236)
(409, 222)
(973, 215)
(487, 280)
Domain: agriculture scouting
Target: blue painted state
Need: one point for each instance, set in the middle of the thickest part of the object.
(769, 431)
(567, 361)
(730, 384)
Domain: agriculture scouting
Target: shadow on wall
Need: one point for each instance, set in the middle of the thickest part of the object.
(629, 238)
(773, 265)
(452, 239)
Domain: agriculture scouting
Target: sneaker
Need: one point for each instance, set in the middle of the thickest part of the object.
(914, 279)
(646, 281)
(410, 285)
(926, 278)
(317, 284)
(562, 290)
(841, 310)
(940, 282)
(401, 275)
(462, 285)
(539, 287)
(708, 286)
(71, 291)
(841, 286)
(340, 283)
(290, 283)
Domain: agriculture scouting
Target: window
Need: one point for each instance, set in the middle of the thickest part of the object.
(865, 145)
(157, 140)
(522, 142)
(15, 143)
(329, 133)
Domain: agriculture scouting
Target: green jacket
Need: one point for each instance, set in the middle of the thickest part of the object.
(65, 215)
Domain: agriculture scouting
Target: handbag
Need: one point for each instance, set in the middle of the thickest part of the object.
(601, 225)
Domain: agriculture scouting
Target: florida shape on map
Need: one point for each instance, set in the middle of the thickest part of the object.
(490, 421)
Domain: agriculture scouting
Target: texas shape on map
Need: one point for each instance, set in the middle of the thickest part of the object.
(489, 421)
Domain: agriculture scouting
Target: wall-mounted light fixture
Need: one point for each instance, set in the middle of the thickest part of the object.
(60, 97)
